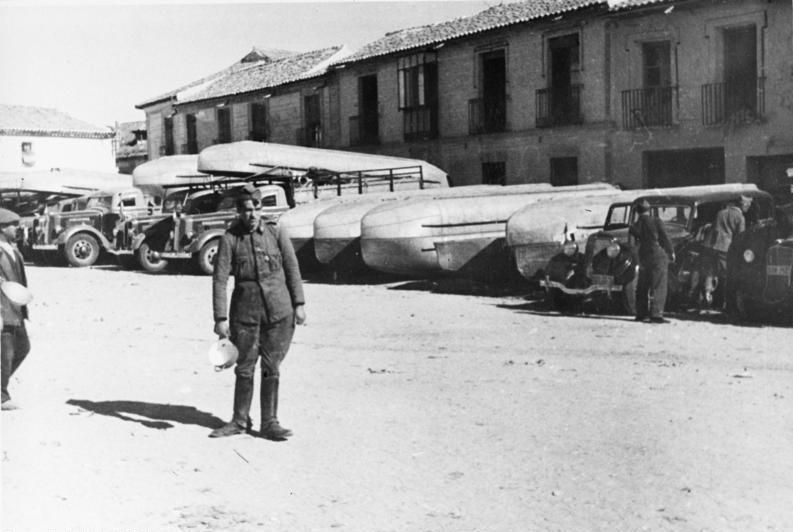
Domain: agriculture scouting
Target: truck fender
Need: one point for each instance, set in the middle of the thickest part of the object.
(196, 246)
(66, 235)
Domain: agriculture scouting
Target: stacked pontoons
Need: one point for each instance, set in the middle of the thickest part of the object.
(400, 238)
(337, 230)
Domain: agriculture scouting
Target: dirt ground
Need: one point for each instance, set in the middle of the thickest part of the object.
(413, 410)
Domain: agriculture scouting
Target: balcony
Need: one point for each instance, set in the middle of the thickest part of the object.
(486, 116)
(559, 106)
(735, 103)
(420, 123)
(656, 107)
(364, 130)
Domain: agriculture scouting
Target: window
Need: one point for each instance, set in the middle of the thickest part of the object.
(224, 125)
(657, 70)
(418, 95)
(494, 173)
(28, 157)
(259, 122)
(564, 171)
(560, 103)
(192, 137)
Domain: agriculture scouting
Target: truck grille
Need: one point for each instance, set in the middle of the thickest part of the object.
(779, 261)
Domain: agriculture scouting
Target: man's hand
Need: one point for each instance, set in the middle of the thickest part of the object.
(300, 315)
(222, 328)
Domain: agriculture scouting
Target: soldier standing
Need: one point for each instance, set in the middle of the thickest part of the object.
(266, 303)
(14, 341)
(655, 251)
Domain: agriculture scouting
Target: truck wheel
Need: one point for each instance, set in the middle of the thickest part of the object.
(205, 259)
(81, 250)
(739, 307)
(148, 261)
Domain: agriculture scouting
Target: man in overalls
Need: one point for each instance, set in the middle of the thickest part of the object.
(266, 303)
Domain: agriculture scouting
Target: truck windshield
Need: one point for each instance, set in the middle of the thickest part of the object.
(99, 202)
(673, 214)
(618, 216)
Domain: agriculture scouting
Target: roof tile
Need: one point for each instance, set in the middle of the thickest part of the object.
(30, 120)
(495, 17)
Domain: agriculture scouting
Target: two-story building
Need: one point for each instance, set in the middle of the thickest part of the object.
(39, 138)
(282, 98)
(637, 92)
(645, 93)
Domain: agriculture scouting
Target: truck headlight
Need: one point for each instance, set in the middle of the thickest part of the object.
(569, 248)
(613, 250)
(748, 256)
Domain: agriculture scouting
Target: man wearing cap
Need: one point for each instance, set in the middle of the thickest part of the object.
(730, 221)
(14, 341)
(655, 250)
(266, 303)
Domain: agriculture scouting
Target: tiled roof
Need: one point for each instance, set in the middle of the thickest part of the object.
(44, 121)
(491, 18)
(199, 82)
(263, 75)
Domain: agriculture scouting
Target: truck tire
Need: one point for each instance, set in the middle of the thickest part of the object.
(81, 250)
(205, 258)
(148, 261)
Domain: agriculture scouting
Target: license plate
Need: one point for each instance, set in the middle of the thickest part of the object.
(783, 271)
(607, 280)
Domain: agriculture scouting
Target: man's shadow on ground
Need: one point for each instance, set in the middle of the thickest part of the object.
(158, 415)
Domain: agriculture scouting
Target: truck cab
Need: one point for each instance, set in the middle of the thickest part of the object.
(78, 230)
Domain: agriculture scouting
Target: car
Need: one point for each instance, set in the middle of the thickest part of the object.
(606, 271)
(759, 268)
(192, 232)
(80, 229)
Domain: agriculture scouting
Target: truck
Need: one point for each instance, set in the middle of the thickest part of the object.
(80, 230)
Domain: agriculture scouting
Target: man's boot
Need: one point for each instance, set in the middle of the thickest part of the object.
(271, 429)
(243, 394)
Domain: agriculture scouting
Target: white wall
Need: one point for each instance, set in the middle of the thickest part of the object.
(58, 152)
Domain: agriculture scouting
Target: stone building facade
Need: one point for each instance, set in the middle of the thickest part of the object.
(645, 93)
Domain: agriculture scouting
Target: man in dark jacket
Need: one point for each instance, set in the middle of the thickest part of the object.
(266, 303)
(14, 341)
(655, 250)
(729, 223)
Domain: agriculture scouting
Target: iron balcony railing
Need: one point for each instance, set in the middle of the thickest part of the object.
(559, 106)
(656, 107)
(420, 123)
(364, 131)
(487, 116)
(739, 102)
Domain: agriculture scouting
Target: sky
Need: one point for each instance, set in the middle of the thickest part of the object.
(97, 61)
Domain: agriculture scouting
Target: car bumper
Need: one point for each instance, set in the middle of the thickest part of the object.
(606, 286)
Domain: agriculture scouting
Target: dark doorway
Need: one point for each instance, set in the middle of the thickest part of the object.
(192, 136)
(769, 173)
(680, 168)
(494, 173)
(564, 64)
(169, 146)
(367, 102)
(564, 171)
(312, 121)
(259, 129)
(494, 90)
(740, 69)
